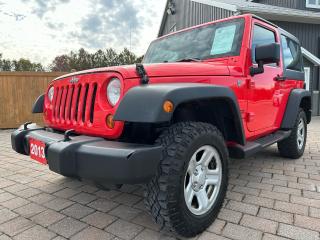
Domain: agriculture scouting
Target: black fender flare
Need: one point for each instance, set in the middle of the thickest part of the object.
(296, 97)
(144, 104)
(38, 104)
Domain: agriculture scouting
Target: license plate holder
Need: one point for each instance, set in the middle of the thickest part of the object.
(37, 151)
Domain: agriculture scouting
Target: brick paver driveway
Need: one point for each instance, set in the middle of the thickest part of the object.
(269, 198)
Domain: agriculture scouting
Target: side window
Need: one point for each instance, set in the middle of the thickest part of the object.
(291, 54)
(261, 36)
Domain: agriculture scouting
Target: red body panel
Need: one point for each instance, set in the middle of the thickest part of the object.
(261, 98)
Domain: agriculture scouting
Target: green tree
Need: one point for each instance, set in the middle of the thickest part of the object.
(26, 65)
(82, 59)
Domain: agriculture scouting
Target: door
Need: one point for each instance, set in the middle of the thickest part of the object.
(263, 95)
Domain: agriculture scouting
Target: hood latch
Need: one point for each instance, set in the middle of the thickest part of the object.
(142, 73)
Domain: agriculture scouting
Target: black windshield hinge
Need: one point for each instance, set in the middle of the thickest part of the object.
(142, 73)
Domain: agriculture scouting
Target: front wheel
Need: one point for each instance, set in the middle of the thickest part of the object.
(188, 190)
(294, 146)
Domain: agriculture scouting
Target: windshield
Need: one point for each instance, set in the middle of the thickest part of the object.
(211, 41)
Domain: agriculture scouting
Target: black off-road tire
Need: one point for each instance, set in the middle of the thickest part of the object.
(288, 147)
(164, 194)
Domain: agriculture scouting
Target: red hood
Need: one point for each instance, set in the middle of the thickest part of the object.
(165, 70)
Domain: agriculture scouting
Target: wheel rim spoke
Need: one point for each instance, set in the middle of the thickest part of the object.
(189, 194)
(202, 198)
(300, 134)
(206, 157)
(212, 177)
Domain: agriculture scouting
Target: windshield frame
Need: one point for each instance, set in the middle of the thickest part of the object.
(238, 39)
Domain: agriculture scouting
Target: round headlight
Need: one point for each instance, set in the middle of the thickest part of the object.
(51, 94)
(114, 91)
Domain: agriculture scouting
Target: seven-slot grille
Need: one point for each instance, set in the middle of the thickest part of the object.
(74, 103)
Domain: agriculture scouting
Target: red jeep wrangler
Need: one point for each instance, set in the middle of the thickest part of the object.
(226, 88)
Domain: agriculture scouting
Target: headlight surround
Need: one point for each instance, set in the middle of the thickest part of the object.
(114, 91)
(51, 94)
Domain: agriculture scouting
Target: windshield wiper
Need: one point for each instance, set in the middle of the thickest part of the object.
(189, 60)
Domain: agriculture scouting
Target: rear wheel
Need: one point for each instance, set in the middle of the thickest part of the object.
(188, 190)
(294, 146)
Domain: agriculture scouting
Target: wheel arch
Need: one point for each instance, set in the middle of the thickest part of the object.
(144, 104)
(299, 98)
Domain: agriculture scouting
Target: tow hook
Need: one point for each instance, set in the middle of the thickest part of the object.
(25, 126)
(67, 135)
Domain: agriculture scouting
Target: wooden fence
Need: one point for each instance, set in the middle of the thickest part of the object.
(18, 92)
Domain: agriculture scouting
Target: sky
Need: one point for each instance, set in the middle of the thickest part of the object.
(42, 29)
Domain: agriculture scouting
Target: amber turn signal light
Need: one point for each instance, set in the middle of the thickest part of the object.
(168, 106)
(109, 121)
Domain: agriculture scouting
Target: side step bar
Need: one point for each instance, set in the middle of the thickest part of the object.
(239, 151)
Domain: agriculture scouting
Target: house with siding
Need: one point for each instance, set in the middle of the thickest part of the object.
(299, 17)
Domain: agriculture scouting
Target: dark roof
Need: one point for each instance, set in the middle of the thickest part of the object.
(266, 11)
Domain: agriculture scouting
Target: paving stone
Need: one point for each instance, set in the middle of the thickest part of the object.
(107, 194)
(314, 212)
(6, 215)
(29, 210)
(297, 233)
(47, 218)
(268, 236)
(305, 201)
(291, 208)
(83, 198)
(125, 212)
(287, 190)
(28, 192)
(92, 233)
(66, 193)
(234, 196)
(58, 204)
(42, 198)
(35, 233)
(103, 205)
(15, 203)
(260, 201)
(6, 196)
(229, 215)
(148, 234)
(302, 186)
(127, 199)
(124, 229)
(99, 219)
(15, 226)
(77, 211)
(241, 233)
(211, 236)
(246, 190)
(275, 215)
(258, 223)
(67, 227)
(275, 195)
(262, 186)
(243, 207)
(145, 220)
(283, 183)
(217, 226)
(307, 222)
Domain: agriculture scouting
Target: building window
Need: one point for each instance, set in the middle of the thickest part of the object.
(313, 4)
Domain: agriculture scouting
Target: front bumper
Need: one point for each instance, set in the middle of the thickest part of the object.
(92, 158)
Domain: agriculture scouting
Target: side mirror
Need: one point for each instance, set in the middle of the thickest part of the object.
(265, 54)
